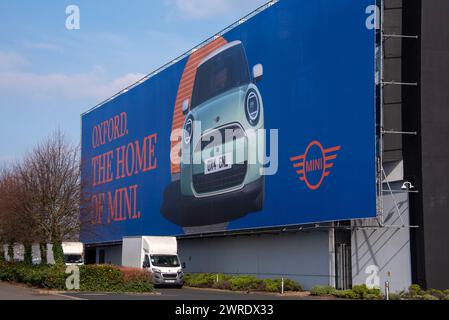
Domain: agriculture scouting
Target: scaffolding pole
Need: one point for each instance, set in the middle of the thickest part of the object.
(381, 174)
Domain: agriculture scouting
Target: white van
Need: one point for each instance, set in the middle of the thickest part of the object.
(158, 255)
(73, 253)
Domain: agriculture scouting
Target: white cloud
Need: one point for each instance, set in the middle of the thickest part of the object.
(46, 46)
(11, 61)
(203, 8)
(93, 85)
(211, 8)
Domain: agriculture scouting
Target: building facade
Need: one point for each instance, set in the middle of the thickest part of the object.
(407, 243)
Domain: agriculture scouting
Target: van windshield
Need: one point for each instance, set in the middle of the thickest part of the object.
(165, 261)
(225, 71)
(73, 258)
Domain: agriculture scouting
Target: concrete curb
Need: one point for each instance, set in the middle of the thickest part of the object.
(303, 294)
(64, 293)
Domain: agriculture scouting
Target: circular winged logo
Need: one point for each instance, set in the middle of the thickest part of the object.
(315, 164)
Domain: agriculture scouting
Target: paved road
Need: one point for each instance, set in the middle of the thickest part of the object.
(14, 292)
(179, 294)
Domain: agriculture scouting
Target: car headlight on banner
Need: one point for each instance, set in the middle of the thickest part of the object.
(188, 130)
(252, 107)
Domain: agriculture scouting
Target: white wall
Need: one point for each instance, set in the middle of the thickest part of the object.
(50, 256)
(387, 248)
(5, 252)
(303, 256)
(19, 252)
(36, 254)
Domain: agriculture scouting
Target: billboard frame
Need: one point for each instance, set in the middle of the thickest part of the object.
(378, 131)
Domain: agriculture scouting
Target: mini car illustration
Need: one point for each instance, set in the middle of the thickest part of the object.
(218, 182)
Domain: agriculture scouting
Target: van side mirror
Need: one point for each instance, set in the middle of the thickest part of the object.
(183, 265)
(257, 72)
(185, 107)
(146, 262)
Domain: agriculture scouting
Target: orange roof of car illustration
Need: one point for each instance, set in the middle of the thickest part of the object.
(185, 91)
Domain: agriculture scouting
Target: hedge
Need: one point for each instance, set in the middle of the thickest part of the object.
(362, 292)
(239, 283)
(415, 292)
(106, 278)
(101, 278)
(51, 277)
(320, 291)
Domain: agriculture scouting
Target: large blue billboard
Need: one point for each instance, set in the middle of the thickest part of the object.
(271, 124)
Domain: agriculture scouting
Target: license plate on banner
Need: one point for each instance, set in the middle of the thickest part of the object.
(217, 164)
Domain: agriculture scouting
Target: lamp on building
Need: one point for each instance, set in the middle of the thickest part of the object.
(408, 186)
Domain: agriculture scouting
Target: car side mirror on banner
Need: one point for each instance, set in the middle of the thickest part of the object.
(185, 107)
(257, 72)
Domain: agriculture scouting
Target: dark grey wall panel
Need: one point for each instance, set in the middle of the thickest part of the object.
(426, 157)
(393, 72)
(435, 139)
(411, 116)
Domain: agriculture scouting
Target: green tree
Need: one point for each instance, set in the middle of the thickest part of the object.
(11, 251)
(17, 211)
(28, 254)
(58, 253)
(43, 252)
(41, 196)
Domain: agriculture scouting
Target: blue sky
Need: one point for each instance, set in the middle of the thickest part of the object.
(50, 75)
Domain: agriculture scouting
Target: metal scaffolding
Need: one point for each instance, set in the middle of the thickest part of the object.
(383, 185)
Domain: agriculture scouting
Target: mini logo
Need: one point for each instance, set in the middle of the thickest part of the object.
(315, 164)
